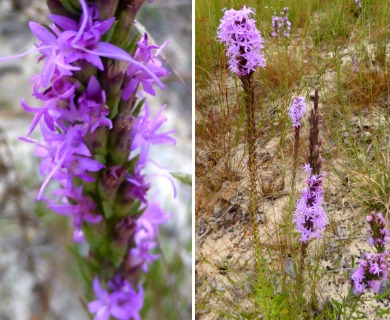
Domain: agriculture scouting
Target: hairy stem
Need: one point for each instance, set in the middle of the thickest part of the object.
(247, 84)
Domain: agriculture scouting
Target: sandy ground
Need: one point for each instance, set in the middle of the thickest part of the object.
(224, 256)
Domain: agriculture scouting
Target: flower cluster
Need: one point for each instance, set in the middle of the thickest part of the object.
(310, 217)
(97, 131)
(70, 116)
(379, 234)
(281, 23)
(123, 303)
(372, 270)
(355, 65)
(358, 3)
(297, 110)
(243, 41)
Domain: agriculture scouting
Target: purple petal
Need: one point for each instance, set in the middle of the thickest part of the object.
(100, 293)
(108, 50)
(93, 88)
(64, 23)
(95, 306)
(42, 33)
(94, 60)
(47, 72)
(103, 26)
(103, 314)
(83, 22)
(120, 312)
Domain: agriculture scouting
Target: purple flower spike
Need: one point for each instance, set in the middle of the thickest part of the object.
(97, 130)
(243, 41)
(358, 3)
(281, 23)
(297, 110)
(373, 269)
(121, 302)
(145, 236)
(310, 217)
(144, 133)
(137, 76)
(379, 234)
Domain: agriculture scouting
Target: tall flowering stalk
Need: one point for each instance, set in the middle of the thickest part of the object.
(378, 233)
(373, 268)
(297, 112)
(358, 4)
(280, 24)
(310, 218)
(97, 131)
(244, 44)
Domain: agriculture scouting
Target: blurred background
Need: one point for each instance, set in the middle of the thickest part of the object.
(39, 276)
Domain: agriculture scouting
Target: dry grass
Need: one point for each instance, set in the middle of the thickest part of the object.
(326, 36)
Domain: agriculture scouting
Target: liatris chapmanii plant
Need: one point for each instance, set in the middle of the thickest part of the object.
(310, 218)
(281, 23)
(97, 131)
(243, 43)
(297, 111)
(373, 268)
(379, 235)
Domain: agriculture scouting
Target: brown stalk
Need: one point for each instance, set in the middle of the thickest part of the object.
(247, 84)
(314, 159)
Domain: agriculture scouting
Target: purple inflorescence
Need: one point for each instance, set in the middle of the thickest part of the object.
(358, 3)
(297, 110)
(372, 270)
(123, 302)
(243, 41)
(379, 234)
(281, 23)
(78, 127)
(310, 218)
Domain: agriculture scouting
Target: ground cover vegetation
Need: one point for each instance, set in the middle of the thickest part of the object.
(293, 178)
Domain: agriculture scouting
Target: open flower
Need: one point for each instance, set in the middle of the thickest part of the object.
(297, 110)
(122, 302)
(281, 23)
(379, 234)
(243, 41)
(373, 269)
(310, 218)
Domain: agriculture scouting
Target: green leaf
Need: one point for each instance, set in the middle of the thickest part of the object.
(183, 177)
(110, 33)
(382, 295)
(93, 238)
(382, 311)
(87, 268)
(117, 255)
(132, 44)
(129, 165)
(114, 107)
(69, 6)
(138, 108)
(231, 281)
(135, 208)
(107, 210)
